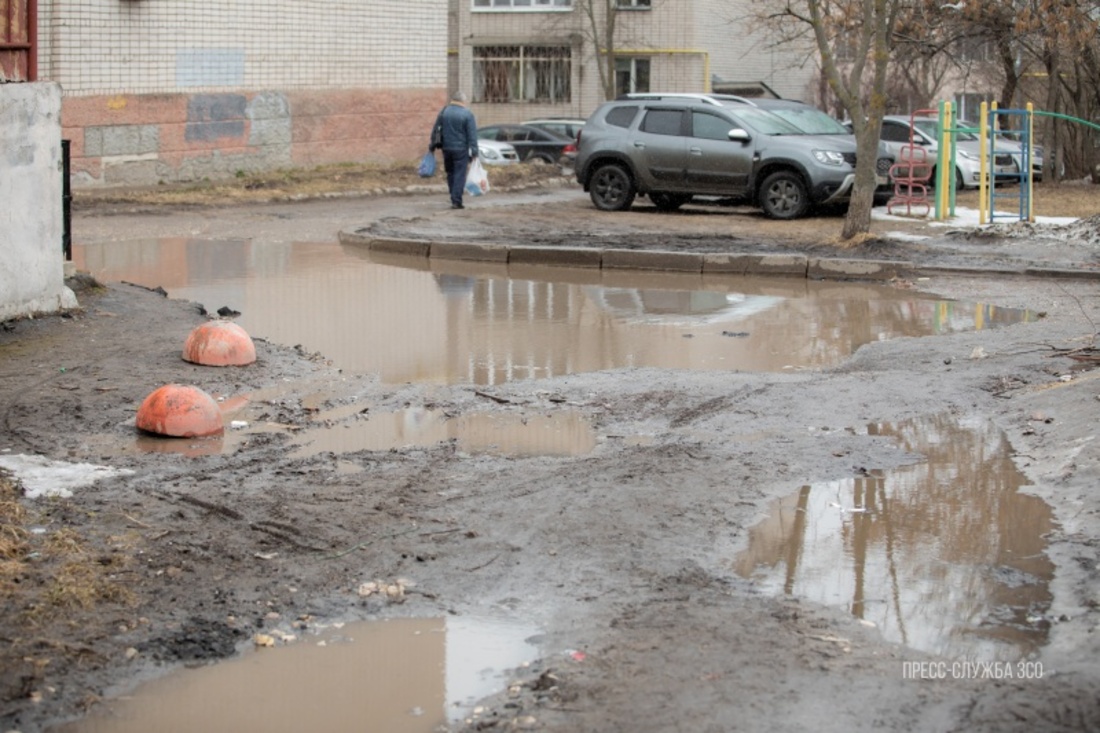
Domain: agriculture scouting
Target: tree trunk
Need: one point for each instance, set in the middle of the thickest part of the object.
(858, 219)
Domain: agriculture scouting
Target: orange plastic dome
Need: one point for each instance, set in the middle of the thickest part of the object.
(180, 411)
(219, 343)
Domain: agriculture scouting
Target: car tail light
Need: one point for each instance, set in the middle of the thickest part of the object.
(570, 148)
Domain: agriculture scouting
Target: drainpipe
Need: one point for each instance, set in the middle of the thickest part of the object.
(32, 39)
(670, 52)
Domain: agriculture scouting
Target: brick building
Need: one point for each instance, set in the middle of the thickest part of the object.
(535, 58)
(192, 89)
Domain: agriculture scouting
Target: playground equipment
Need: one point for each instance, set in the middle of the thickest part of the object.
(994, 145)
(995, 129)
(911, 174)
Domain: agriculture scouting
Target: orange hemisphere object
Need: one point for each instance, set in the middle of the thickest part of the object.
(180, 412)
(219, 343)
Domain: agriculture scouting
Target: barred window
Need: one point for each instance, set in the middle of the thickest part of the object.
(521, 4)
(522, 74)
(631, 75)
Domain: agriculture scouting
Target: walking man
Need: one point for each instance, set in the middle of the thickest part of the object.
(455, 132)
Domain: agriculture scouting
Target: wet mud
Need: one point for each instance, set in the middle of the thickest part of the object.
(627, 555)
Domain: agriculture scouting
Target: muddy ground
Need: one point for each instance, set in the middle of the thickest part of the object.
(625, 553)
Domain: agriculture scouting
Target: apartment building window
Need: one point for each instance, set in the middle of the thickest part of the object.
(633, 4)
(631, 76)
(522, 74)
(522, 4)
(974, 49)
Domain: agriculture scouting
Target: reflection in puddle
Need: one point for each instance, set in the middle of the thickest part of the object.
(555, 434)
(945, 555)
(399, 676)
(489, 324)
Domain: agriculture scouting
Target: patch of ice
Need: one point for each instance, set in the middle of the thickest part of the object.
(906, 236)
(963, 217)
(42, 477)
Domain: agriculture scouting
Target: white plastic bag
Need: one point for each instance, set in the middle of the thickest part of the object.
(477, 180)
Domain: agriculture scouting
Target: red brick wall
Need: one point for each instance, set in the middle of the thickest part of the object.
(154, 138)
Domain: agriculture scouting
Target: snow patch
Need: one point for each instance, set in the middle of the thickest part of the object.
(42, 477)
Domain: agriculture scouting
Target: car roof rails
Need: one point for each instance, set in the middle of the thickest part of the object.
(715, 99)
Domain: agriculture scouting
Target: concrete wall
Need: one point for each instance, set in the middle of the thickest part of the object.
(31, 259)
(191, 89)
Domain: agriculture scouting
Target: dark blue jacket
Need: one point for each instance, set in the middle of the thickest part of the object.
(459, 129)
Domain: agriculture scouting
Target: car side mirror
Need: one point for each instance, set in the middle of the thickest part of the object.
(739, 135)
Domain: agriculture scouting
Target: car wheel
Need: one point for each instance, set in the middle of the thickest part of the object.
(612, 188)
(784, 196)
(669, 201)
(539, 159)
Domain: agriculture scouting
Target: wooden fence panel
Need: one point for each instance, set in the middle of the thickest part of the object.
(18, 40)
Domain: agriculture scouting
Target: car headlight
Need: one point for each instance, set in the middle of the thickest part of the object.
(488, 153)
(829, 157)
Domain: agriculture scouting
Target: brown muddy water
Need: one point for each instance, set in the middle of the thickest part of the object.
(398, 675)
(426, 321)
(944, 555)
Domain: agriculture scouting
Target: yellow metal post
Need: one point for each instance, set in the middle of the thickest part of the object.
(944, 176)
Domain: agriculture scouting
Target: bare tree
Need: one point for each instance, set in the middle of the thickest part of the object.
(596, 24)
(600, 18)
(854, 40)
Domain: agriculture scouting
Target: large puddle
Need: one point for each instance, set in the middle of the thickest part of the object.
(399, 676)
(451, 322)
(945, 555)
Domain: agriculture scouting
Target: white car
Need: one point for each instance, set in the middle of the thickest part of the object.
(493, 152)
(897, 134)
(1008, 142)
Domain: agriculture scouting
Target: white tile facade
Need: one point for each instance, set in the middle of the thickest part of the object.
(687, 42)
(161, 47)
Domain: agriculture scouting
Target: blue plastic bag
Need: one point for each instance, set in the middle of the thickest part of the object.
(427, 165)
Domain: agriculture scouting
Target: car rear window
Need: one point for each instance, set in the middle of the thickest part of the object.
(622, 116)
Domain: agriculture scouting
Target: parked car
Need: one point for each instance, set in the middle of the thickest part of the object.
(813, 121)
(897, 132)
(1008, 142)
(672, 147)
(493, 152)
(565, 126)
(532, 144)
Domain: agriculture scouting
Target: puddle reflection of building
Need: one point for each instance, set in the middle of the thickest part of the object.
(490, 323)
(945, 555)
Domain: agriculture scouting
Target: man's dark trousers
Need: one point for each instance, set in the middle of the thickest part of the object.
(456, 163)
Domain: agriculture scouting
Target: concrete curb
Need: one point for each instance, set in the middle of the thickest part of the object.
(710, 263)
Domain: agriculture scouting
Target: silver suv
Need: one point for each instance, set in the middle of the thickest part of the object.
(672, 147)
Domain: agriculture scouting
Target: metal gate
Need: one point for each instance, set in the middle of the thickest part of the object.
(18, 40)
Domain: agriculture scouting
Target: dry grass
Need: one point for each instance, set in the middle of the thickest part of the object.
(1078, 199)
(13, 533)
(303, 183)
(44, 575)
